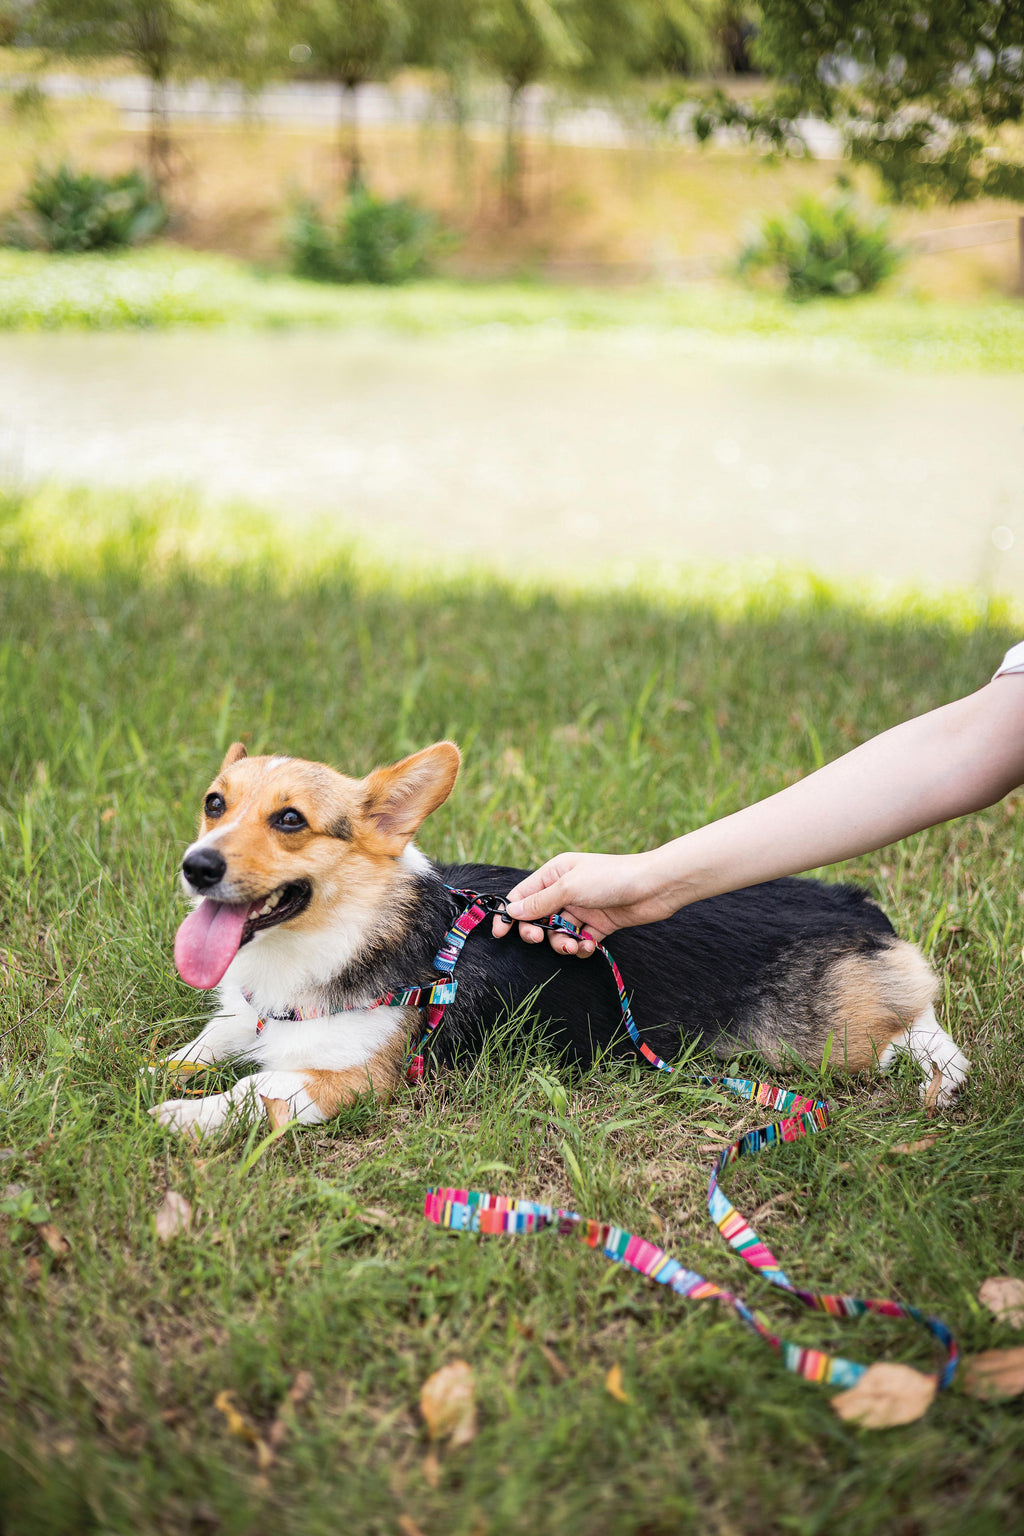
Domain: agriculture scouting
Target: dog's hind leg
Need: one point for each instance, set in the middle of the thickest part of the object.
(884, 1005)
(928, 1044)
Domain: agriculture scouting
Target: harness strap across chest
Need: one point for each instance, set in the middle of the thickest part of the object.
(466, 1210)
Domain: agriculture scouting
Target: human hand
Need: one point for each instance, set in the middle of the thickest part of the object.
(599, 892)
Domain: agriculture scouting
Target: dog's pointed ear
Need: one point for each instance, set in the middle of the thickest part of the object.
(397, 800)
(234, 754)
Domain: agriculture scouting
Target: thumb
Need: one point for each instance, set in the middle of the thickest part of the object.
(540, 903)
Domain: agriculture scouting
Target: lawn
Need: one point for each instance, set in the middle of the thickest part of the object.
(129, 659)
(164, 286)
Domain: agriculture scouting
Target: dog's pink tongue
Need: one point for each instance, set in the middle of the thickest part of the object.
(207, 942)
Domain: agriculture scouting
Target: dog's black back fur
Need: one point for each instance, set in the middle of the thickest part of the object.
(714, 972)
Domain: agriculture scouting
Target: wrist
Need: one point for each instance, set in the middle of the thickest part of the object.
(671, 876)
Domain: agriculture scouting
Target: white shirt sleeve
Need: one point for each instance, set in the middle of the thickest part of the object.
(1013, 661)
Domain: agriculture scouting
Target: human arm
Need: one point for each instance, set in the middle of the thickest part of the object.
(955, 759)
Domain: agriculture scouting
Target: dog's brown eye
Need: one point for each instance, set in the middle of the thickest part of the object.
(213, 805)
(290, 820)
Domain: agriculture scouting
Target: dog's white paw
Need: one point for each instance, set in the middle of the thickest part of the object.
(190, 1117)
(955, 1069)
(928, 1044)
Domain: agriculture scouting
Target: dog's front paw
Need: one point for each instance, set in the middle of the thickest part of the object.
(190, 1117)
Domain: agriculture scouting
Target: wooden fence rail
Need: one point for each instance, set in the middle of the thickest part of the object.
(962, 236)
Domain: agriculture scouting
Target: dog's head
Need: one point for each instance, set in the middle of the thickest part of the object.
(283, 844)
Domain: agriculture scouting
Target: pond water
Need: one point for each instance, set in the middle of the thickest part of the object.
(544, 453)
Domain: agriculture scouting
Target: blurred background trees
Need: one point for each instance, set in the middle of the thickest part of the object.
(928, 95)
(931, 97)
(164, 40)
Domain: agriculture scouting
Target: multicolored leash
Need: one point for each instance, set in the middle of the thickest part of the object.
(465, 1210)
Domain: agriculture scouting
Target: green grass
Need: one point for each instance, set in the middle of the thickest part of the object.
(129, 658)
(164, 286)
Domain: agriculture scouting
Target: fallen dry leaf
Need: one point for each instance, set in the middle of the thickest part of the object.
(886, 1395)
(408, 1527)
(284, 1420)
(931, 1093)
(375, 1214)
(279, 1112)
(613, 1385)
(238, 1424)
(1004, 1297)
(241, 1429)
(301, 1388)
(559, 1369)
(920, 1145)
(995, 1373)
(54, 1240)
(174, 1216)
(33, 1270)
(448, 1404)
(431, 1469)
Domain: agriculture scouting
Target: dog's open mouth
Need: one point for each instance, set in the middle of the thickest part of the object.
(281, 905)
(211, 936)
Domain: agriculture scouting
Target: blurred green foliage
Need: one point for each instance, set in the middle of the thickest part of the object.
(72, 211)
(827, 246)
(372, 240)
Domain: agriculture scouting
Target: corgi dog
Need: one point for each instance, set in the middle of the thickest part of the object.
(312, 904)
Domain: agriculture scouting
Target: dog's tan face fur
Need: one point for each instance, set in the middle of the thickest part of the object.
(283, 821)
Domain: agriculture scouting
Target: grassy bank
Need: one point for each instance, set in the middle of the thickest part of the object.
(128, 662)
(167, 287)
(640, 205)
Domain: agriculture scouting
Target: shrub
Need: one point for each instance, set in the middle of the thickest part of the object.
(67, 210)
(371, 240)
(827, 245)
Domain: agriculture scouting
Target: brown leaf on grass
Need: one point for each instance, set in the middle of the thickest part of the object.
(284, 1420)
(920, 1145)
(1004, 1297)
(173, 1217)
(931, 1093)
(448, 1404)
(33, 1270)
(613, 1385)
(238, 1424)
(377, 1216)
(559, 1369)
(408, 1527)
(240, 1427)
(886, 1395)
(279, 1112)
(995, 1373)
(54, 1239)
(431, 1469)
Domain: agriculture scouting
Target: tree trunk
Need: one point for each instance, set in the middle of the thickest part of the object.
(159, 144)
(458, 107)
(512, 162)
(351, 156)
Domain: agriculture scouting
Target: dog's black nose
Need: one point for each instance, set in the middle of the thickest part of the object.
(204, 867)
